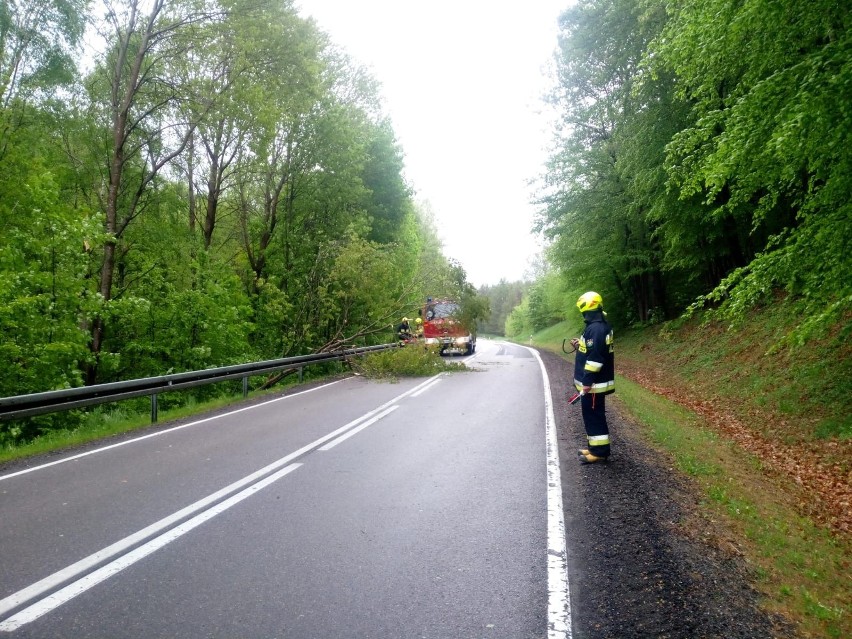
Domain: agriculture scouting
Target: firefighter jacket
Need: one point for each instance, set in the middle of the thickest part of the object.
(594, 365)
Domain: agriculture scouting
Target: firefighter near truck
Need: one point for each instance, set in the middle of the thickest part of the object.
(445, 328)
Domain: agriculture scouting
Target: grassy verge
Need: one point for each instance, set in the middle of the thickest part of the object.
(784, 393)
(103, 422)
(122, 417)
(551, 337)
(801, 570)
(116, 418)
(795, 394)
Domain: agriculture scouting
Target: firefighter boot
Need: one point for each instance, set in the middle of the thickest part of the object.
(588, 458)
(583, 451)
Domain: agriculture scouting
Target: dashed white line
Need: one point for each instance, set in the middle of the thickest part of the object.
(357, 430)
(426, 387)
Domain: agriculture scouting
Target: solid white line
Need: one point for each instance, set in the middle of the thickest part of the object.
(164, 432)
(355, 431)
(558, 592)
(88, 563)
(113, 568)
(427, 387)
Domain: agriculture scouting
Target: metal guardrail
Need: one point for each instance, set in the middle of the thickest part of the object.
(60, 400)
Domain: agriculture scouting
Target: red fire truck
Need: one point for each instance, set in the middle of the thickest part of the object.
(444, 327)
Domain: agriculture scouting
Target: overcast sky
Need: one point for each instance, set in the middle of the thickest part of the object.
(462, 82)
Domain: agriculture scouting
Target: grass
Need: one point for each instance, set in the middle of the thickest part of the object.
(118, 418)
(551, 337)
(110, 420)
(801, 570)
(801, 392)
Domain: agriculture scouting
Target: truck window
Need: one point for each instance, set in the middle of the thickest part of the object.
(443, 310)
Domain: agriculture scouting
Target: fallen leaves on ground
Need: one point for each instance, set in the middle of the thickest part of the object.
(827, 488)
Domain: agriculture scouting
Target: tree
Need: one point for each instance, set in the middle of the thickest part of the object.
(503, 297)
(769, 142)
(226, 189)
(42, 265)
(600, 188)
(388, 196)
(141, 98)
(36, 39)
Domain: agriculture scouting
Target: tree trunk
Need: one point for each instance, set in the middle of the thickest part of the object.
(123, 92)
(190, 176)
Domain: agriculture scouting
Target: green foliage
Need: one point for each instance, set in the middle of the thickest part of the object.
(366, 287)
(502, 300)
(770, 148)
(409, 361)
(546, 301)
(228, 192)
(387, 202)
(35, 42)
(705, 156)
(791, 392)
(605, 179)
(518, 323)
(42, 270)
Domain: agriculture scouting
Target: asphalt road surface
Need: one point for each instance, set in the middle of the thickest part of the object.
(423, 508)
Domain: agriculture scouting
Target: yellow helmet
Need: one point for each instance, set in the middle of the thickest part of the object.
(404, 319)
(419, 321)
(590, 301)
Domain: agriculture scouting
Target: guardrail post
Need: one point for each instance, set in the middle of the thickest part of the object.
(245, 386)
(154, 408)
(301, 368)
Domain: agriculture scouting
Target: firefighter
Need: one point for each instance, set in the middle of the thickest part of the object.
(594, 376)
(403, 330)
(418, 328)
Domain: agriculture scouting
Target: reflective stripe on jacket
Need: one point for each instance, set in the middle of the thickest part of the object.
(594, 365)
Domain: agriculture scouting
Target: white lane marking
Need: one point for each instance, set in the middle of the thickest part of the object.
(558, 591)
(80, 586)
(164, 432)
(88, 563)
(357, 430)
(427, 387)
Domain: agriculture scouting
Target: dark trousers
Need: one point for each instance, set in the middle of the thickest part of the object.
(593, 407)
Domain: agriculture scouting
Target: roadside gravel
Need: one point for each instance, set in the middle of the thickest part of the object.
(636, 568)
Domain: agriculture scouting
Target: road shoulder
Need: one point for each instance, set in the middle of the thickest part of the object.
(637, 568)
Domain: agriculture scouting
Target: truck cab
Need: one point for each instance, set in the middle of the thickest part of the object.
(444, 327)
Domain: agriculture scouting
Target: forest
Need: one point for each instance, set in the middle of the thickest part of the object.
(194, 183)
(703, 162)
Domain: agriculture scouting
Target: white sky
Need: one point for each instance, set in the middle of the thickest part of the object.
(462, 82)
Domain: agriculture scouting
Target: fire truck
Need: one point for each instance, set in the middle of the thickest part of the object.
(444, 327)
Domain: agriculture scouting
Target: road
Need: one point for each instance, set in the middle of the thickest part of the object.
(423, 508)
